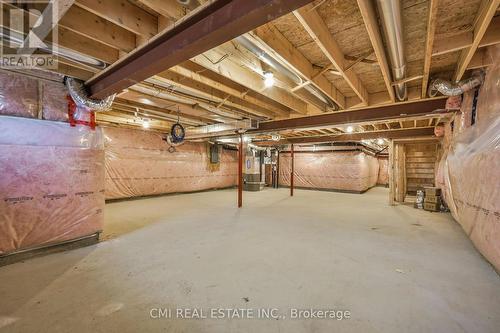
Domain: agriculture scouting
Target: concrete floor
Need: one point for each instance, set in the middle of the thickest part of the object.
(396, 269)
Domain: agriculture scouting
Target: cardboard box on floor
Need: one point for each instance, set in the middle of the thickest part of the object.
(432, 207)
(432, 199)
(432, 191)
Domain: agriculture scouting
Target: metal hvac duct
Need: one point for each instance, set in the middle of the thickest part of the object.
(80, 96)
(453, 89)
(17, 38)
(261, 54)
(390, 15)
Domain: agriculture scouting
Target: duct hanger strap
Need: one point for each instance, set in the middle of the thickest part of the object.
(80, 96)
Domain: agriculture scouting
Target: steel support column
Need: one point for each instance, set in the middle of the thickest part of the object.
(240, 172)
(292, 171)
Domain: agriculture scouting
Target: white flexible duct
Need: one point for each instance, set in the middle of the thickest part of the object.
(453, 89)
(80, 96)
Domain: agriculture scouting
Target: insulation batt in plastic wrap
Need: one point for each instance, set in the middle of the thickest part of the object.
(138, 163)
(469, 170)
(345, 171)
(51, 183)
(18, 95)
(54, 102)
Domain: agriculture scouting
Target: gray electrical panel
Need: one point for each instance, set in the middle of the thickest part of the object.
(214, 154)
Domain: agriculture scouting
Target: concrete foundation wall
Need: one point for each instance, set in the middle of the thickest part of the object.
(51, 183)
(345, 171)
(469, 170)
(139, 163)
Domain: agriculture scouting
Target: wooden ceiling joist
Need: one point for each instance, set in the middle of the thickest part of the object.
(482, 22)
(97, 28)
(271, 40)
(176, 78)
(189, 119)
(197, 73)
(250, 80)
(389, 134)
(124, 14)
(184, 109)
(167, 83)
(167, 8)
(202, 108)
(74, 40)
(371, 24)
(317, 29)
(429, 42)
(208, 27)
(447, 44)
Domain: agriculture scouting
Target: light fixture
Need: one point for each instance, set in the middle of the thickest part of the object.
(144, 100)
(145, 123)
(380, 141)
(268, 79)
(349, 129)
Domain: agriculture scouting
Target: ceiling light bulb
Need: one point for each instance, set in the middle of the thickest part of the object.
(380, 141)
(145, 123)
(349, 129)
(268, 79)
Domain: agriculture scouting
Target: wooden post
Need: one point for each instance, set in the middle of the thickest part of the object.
(240, 173)
(291, 172)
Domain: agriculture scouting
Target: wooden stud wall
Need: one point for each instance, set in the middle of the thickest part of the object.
(420, 165)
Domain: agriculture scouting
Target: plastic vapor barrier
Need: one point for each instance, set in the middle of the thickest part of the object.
(54, 101)
(51, 183)
(139, 163)
(469, 170)
(383, 172)
(344, 171)
(18, 95)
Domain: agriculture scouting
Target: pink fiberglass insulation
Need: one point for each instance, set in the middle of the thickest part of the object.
(18, 95)
(469, 170)
(54, 102)
(345, 171)
(383, 172)
(138, 163)
(51, 183)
